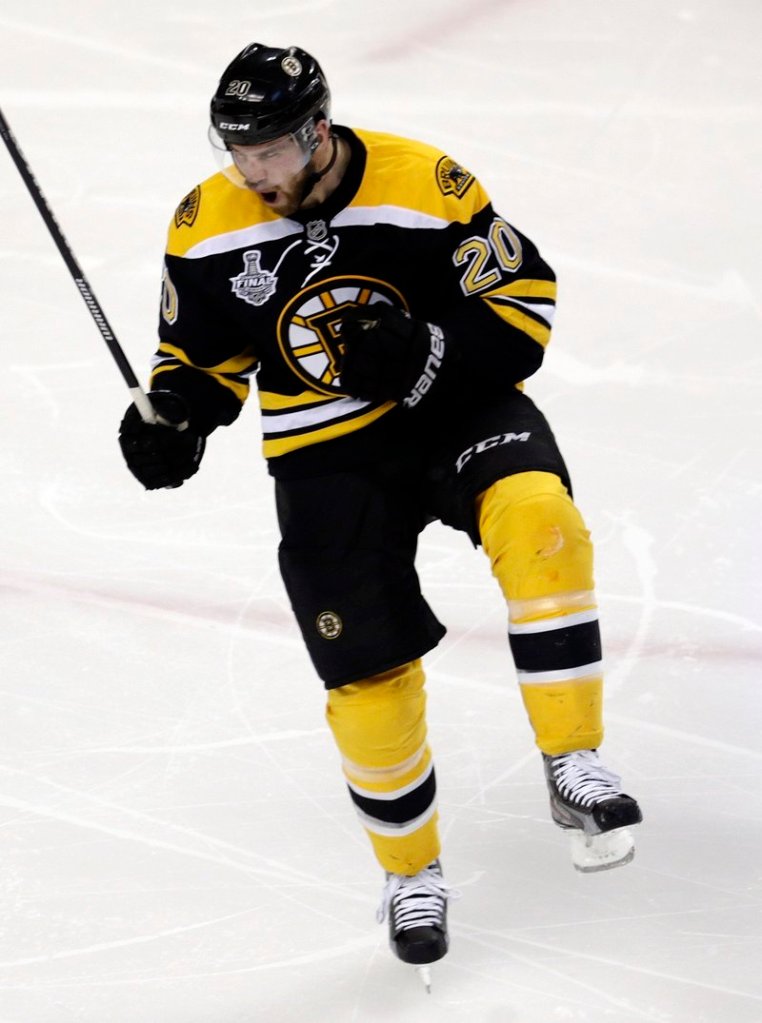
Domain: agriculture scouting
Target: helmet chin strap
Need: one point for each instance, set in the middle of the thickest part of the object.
(316, 176)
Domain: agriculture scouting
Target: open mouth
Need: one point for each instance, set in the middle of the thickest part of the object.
(269, 197)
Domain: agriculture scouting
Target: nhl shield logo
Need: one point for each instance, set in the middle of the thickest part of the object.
(254, 285)
(317, 230)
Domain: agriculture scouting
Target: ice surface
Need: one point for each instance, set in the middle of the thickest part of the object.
(176, 842)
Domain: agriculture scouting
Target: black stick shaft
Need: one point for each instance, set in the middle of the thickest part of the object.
(94, 307)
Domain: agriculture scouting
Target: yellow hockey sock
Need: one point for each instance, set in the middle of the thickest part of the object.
(379, 725)
(542, 557)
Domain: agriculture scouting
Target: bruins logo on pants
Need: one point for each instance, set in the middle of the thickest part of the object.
(309, 328)
(329, 625)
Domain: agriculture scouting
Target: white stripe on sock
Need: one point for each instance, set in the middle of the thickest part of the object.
(584, 671)
(550, 624)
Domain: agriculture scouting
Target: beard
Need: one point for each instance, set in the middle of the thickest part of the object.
(285, 199)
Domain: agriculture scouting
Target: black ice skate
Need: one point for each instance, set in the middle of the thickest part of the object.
(417, 909)
(586, 799)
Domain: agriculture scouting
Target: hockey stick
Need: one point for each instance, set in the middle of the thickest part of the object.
(139, 397)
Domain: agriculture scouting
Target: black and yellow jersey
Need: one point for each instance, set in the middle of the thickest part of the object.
(248, 292)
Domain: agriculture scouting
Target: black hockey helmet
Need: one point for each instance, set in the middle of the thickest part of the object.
(266, 92)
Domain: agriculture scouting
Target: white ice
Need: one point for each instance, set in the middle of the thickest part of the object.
(176, 841)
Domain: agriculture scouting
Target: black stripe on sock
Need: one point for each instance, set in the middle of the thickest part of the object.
(402, 810)
(557, 649)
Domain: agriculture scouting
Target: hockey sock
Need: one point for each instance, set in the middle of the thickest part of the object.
(379, 725)
(542, 557)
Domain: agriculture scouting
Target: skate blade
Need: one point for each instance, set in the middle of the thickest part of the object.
(591, 853)
(424, 972)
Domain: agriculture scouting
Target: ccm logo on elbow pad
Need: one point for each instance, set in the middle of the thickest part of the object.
(433, 364)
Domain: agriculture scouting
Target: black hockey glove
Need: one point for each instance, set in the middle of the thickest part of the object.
(161, 455)
(387, 355)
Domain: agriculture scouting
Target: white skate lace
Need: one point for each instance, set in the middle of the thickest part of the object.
(582, 778)
(417, 901)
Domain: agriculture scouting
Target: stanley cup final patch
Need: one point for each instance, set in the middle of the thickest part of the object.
(254, 285)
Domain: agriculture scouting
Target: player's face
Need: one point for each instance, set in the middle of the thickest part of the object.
(276, 171)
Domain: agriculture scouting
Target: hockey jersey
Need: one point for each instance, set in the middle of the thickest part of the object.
(246, 292)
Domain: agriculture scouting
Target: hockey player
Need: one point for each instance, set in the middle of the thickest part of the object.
(390, 315)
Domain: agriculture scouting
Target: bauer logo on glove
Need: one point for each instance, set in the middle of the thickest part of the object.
(430, 370)
(391, 356)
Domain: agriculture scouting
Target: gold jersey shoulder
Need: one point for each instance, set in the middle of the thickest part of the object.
(400, 173)
(214, 207)
(413, 175)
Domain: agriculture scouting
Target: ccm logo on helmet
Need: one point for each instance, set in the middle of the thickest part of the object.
(226, 126)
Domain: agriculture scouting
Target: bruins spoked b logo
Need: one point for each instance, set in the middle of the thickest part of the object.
(309, 328)
(329, 625)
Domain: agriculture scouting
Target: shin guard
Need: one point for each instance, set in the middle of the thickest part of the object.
(542, 557)
(379, 726)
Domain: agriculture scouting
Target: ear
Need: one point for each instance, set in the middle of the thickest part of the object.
(323, 130)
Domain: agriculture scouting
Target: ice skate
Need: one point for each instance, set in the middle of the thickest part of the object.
(417, 909)
(586, 799)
